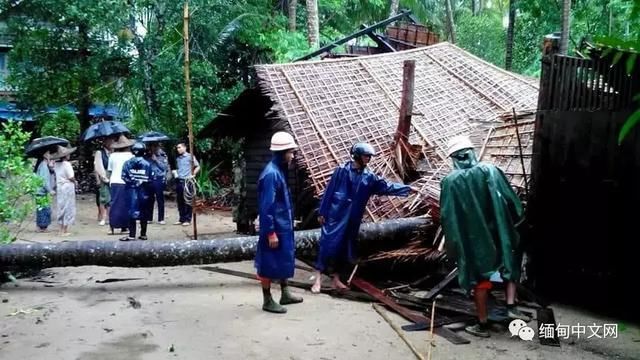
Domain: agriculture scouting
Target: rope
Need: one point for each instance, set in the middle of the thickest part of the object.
(191, 188)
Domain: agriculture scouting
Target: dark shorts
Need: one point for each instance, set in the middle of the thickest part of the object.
(104, 195)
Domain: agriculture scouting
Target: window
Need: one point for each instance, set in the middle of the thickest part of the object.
(3, 62)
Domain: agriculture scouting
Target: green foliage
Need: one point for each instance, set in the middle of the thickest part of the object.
(626, 46)
(18, 183)
(63, 124)
(62, 54)
(483, 36)
(207, 187)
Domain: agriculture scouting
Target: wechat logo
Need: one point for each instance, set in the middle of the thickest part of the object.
(520, 328)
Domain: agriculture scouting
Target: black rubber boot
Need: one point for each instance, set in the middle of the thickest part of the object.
(479, 329)
(287, 296)
(270, 305)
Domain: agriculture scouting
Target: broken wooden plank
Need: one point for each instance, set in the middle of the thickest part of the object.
(436, 289)
(346, 294)
(455, 306)
(440, 321)
(404, 312)
(546, 319)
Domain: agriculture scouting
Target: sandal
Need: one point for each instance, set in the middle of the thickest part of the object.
(142, 237)
(126, 238)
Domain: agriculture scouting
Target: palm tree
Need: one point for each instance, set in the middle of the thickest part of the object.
(393, 8)
(566, 23)
(292, 14)
(510, 31)
(312, 23)
(451, 27)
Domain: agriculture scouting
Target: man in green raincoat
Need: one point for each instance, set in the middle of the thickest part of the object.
(480, 214)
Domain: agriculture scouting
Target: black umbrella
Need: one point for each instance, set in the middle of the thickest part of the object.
(153, 136)
(41, 145)
(103, 129)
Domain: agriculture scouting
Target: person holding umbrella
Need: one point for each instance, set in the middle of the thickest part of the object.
(119, 209)
(42, 148)
(104, 129)
(65, 188)
(44, 170)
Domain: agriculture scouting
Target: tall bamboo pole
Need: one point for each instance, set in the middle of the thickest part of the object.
(187, 84)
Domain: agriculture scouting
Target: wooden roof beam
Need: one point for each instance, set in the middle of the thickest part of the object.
(355, 35)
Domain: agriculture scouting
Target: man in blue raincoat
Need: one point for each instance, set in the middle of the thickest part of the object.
(480, 214)
(342, 208)
(275, 255)
(137, 176)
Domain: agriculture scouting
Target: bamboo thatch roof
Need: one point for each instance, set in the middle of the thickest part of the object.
(331, 104)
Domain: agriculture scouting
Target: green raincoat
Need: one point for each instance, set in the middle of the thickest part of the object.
(480, 213)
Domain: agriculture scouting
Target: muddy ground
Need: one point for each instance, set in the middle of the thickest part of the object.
(189, 313)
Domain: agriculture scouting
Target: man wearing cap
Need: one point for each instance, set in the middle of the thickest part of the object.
(342, 209)
(275, 255)
(183, 174)
(480, 214)
(137, 175)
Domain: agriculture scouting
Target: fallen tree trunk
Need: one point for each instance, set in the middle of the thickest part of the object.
(187, 252)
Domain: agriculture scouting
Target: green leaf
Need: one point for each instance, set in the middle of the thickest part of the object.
(611, 41)
(631, 62)
(617, 57)
(631, 122)
(636, 97)
(606, 52)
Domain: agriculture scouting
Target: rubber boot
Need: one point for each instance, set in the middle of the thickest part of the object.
(270, 305)
(514, 313)
(480, 330)
(287, 296)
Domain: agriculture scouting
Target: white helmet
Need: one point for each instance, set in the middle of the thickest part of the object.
(458, 143)
(282, 141)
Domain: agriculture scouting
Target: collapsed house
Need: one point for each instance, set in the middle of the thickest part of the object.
(328, 105)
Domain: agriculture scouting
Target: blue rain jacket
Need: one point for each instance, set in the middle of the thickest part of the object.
(276, 215)
(137, 175)
(343, 205)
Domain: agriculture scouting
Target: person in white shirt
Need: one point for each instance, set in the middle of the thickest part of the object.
(119, 209)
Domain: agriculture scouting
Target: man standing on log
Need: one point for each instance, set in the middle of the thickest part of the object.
(480, 214)
(275, 255)
(341, 211)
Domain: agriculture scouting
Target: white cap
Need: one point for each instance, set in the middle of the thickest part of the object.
(282, 141)
(458, 143)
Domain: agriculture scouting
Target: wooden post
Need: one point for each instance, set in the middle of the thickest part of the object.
(401, 140)
(187, 84)
(524, 168)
